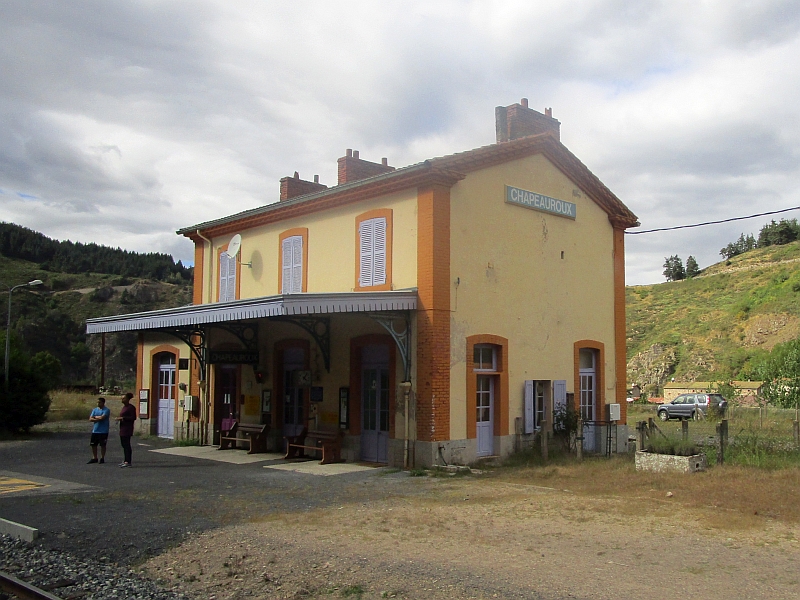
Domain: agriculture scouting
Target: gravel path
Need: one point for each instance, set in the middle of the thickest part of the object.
(69, 577)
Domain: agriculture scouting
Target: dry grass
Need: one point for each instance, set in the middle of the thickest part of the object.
(67, 405)
(727, 497)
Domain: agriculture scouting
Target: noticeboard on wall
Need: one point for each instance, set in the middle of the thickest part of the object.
(144, 403)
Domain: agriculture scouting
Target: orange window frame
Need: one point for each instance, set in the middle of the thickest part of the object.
(600, 375)
(386, 213)
(297, 231)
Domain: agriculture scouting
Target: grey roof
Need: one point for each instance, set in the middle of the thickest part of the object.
(257, 308)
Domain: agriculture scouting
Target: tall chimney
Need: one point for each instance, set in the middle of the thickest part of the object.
(353, 168)
(292, 187)
(517, 121)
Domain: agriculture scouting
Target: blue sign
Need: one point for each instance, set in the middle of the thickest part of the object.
(554, 206)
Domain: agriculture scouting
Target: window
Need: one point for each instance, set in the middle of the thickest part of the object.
(292, 271)
(484, 358)
(374, 250)
(293, 261)
(227, 277)
(537, 394)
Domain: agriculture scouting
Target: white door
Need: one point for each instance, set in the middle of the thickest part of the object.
(484, 421)
(375, 404)
(588, 380)
(166, 396)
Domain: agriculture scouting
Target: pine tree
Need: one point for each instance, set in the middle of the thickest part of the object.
(691, 267)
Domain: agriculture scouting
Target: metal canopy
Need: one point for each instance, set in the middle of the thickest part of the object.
(257, 308)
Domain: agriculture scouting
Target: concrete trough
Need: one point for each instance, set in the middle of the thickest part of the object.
(668, 463)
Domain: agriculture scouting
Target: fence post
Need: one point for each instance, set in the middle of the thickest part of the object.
(722, 434)
(641, 427)
(796, 431)
(579, 440)
(544, 440)
(685, 430)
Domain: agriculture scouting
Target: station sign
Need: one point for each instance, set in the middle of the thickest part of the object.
(540, 202)
(233, 357)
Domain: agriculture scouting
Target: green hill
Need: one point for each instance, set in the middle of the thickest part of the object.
(52, 316)
(708, 328)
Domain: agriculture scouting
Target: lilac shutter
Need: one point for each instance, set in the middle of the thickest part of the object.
(297, 264)
(379, 252)
(365, 231)
(286, 279)
(529, 413)
(560, 395)
(231, 278)
(223, 277)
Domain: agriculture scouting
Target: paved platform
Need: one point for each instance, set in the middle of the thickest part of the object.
(312, 467)
(236, 457)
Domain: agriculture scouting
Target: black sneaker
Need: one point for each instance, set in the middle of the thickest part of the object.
(102, 460)
(91, 462)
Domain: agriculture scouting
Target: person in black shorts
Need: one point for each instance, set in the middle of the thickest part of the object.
(100, 417)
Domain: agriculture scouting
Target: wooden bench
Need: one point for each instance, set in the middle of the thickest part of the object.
(255, 436)
(327, 442)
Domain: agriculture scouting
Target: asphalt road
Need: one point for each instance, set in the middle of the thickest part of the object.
(128, 515)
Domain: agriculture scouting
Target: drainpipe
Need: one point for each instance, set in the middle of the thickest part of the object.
(205, 408)
(406, 387)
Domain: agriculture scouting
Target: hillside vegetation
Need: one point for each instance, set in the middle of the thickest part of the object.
(711, 327)
(52, 317)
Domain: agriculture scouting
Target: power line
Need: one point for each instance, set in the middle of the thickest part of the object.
(764, 214)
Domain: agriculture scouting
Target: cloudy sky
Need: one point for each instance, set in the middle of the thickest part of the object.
(121, 122)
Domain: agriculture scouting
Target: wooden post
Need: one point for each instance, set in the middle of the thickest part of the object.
(641, 428)
(796, 432)
(544, 441)
(722, 434)
(103, 360)
(685, 430)
(579, 440)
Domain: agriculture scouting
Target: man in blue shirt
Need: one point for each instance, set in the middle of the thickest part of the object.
(100, 418)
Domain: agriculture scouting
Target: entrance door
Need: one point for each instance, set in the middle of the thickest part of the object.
(484, 419)
(375, 404)
(293, 414)
(588, 379)
(227, 392)
(166, 396)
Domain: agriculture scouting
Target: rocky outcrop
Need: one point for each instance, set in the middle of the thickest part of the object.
(651, 368)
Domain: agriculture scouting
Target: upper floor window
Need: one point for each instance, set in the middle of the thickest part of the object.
(374, 250)
(484, 357)
(293, 261)
(227, 277)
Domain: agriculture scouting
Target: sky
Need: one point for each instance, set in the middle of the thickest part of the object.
(121, 122)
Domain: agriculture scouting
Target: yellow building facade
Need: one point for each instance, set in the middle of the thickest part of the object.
(441, 312)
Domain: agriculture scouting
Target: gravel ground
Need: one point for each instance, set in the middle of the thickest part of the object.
(69, 577)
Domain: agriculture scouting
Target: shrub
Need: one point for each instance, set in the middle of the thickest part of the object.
(670, 445)
(26, 401)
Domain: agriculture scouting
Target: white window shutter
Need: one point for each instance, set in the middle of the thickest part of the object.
(231, 278)
(559, 395)
(297, 264)
(223, 277)
(365, 253)
(529, 413)
(379, 252)
(286, 275)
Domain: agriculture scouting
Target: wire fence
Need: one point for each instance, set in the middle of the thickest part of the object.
(748, 436)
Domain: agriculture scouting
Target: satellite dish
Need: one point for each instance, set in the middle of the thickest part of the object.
(234, 245)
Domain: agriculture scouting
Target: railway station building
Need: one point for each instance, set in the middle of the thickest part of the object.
(436, 313)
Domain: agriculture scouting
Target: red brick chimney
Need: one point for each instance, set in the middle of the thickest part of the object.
(294, 186)
(518, 121)
(353, 168)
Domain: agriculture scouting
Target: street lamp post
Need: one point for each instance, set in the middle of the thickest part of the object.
(8, 322)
